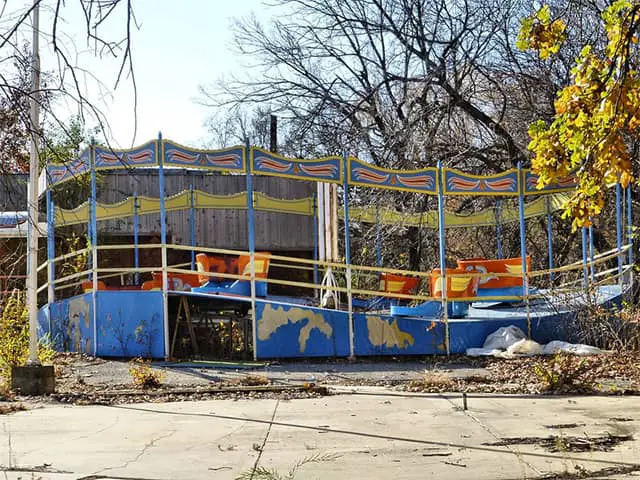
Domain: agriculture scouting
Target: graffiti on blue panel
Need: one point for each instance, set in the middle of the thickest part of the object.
(71, 323)
(292, 331)
(130, 324)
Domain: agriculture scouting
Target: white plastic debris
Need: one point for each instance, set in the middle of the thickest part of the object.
(574, 348)
(508, 342)
(503, 338)
(483, 352)
(525, 347)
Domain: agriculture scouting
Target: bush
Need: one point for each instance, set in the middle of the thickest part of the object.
(14, 337)
(143, 376)
(564, 373)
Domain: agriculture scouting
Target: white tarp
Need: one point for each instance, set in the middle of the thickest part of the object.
(511, 341)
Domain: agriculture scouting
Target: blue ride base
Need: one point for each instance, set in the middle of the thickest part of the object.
(129, 324)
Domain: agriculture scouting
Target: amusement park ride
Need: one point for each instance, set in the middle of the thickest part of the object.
(169, 308)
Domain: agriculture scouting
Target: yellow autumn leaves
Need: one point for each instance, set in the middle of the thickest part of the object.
(538, 32)
(595, 115)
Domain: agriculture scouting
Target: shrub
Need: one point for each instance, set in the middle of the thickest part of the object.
(143, 376)
(14, 337)
(563, 373)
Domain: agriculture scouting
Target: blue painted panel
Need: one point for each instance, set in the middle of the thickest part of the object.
(71, 324)
(385, 335)
(44, 324)
(229, 159)
(457, 182)
(531, 184)
(327, 169)
(62, 173)
(142, 156)
(286, 331)
(362, 173)
(130, 324)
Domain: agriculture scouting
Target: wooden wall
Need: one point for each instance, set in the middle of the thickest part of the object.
(214, 228)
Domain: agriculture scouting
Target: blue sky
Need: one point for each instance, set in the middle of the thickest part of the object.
(179, 46)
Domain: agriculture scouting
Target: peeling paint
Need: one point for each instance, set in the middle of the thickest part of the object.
(274, 318)
(385, 334)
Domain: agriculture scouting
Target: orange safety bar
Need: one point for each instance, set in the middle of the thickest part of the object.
(504, 265)
(457, 287)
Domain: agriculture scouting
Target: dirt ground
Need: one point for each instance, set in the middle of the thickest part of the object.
(82, 379)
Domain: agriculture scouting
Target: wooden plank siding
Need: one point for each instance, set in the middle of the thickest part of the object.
(214, 228)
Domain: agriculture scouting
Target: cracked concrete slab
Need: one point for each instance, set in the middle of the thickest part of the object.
(374, 433)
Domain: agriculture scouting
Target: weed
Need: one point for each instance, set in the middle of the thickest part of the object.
(143, 376)
(564, 372)
(262, 473)
(14, 337)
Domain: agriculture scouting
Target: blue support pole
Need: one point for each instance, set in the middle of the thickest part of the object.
(442, 252)
(499, 227)
(523, 244)
(316, 275)
(591, 266)
(163, 242)
(89, 240)
(585, 269)
(378, 236)
(252, 250)
(51, 253)
(619, 229)
(94, 247)
(136, 238)
(347, 252)
(630, 224)
(192, 227)
(550, 241)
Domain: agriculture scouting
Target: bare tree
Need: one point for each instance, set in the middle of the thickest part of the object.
(403, 83)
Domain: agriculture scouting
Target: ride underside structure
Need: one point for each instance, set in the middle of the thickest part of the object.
(172, 310)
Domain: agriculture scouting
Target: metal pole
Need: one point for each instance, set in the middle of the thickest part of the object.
(630, 224)
(136, 237)
(585, 269)
(442, 251)
(252, 252)
(550, 240)
(163, 242)
(34, 159)
(192, 227)
(315, 244)
(94, 246)
(378, 236)
(591, 266)
(347, 253)
(523, 245)
(51, 248)
(499, 227)
(619, 229)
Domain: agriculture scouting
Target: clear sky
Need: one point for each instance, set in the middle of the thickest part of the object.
(180, 45)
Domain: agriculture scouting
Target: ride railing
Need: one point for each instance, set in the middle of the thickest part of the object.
(351, 281)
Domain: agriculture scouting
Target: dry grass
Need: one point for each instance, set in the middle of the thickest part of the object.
(433, 381)
(252, 381)
(7, 408)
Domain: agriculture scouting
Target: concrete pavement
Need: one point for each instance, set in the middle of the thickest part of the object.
(371, 434)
